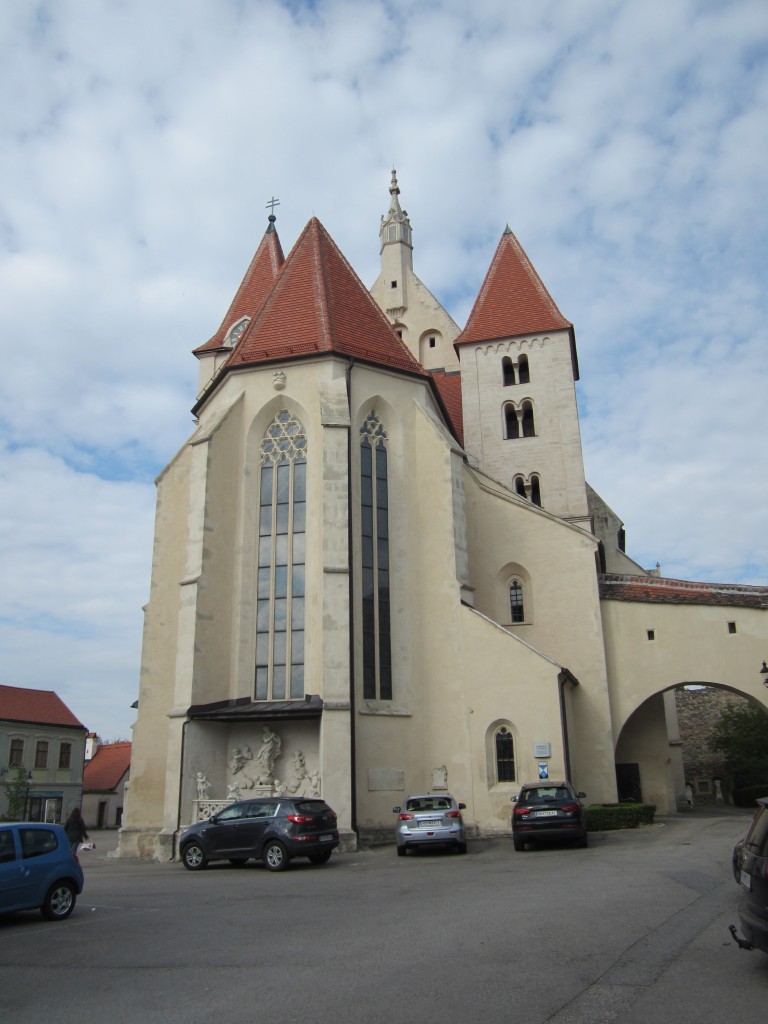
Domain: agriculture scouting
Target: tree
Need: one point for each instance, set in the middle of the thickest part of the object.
(741, 736)
(16, 788)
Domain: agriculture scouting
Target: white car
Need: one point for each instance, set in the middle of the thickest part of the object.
(430, 819)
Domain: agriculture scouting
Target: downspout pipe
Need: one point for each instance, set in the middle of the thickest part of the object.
(565, 676)
(351, 598)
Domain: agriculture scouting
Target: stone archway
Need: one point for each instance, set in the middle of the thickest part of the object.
(661, 754)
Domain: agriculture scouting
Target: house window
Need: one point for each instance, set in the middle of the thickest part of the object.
(65, 755)
(280, 581)
(432, 342)
(374, 512)
(651, 634)
(523, 373)
(731, 627)
(520, 487)
(505, 756)
(17, 753)
(41, 754)
(516, 607)
(393, 284)
(507, 371)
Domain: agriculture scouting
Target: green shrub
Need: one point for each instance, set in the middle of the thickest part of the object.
(605, 817)
(748, 796)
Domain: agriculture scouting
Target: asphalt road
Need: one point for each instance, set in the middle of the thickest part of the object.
(633, 929)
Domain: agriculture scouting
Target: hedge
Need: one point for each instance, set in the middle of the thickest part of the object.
(748, 796)
(604, 817)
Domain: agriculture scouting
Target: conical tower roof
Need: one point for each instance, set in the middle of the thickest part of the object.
(512, 300)
(254, 288)
(318, 304)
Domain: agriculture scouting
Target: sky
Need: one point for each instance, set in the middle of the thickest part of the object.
(625, 144)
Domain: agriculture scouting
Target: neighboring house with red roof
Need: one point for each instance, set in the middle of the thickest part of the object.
(43, 738)
(378, 565)
(104, 785)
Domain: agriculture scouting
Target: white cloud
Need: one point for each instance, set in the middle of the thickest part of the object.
(623, 143)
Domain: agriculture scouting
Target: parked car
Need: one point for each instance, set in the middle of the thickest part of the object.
(548, 810)
(750, 867)
(38, 870)
(270, 829)
(430, 819)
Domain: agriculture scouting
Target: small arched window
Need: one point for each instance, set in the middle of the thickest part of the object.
(505, 755)
(511, 425)
(523, 373)
(529, 429)
(508, 371)
(516, 604)
(520, 487)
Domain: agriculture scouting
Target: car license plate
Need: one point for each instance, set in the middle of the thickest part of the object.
(745, 880)
(326, 839)
(430, 824)
(545, 814)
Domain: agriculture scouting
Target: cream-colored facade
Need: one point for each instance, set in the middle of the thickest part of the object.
(443, 608)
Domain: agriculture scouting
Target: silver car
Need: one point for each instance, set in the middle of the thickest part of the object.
(430, 819)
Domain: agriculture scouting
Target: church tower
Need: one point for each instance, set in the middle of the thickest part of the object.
(414, 312)
(518, 374)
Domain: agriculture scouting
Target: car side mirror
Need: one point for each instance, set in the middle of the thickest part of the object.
(581, 796)
(396, 810)
(214, 818)
(462, 807)
(514, 799)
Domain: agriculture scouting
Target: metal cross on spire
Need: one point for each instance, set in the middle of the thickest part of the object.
(272, 204)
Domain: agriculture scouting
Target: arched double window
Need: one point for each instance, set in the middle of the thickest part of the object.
(374, 516)
(515, 372)
(518, 423)
(280, 576)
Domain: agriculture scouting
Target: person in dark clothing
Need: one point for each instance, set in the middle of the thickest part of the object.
(74, 826)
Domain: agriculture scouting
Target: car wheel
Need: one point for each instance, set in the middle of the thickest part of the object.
(275, 856)
(320, 858)
(519, 844)
(59, 901)
(237, 862)
(401, 850)
(461, 847)
(193, 857)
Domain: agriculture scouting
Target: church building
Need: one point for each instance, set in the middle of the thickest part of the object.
(378, 568)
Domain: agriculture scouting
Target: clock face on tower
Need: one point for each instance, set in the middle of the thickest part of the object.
(236, 333)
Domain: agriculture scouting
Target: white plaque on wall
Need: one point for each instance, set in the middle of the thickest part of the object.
(542, 750)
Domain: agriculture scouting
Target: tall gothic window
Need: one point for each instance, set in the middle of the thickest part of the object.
(374, 513)
(280, 586)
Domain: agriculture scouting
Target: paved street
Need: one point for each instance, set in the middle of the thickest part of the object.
(632, 930)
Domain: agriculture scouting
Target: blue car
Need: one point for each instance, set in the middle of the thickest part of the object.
(38, 870)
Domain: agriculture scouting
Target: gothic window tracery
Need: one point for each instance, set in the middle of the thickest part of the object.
(374, 513)
(281, 560)
(516, 602)
(505, 755)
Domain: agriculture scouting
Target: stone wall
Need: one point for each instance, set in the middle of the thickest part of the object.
(698, 711)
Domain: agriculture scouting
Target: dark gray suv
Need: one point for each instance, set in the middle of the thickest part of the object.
(549, 811)
(270, 829)
(750, 866)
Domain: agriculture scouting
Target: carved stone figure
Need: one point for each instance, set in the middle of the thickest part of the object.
(240, 757)
(203, 785)
(265, 757)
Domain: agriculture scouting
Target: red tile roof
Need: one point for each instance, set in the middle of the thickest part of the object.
(254, 288)
(658, 590)
(107, 767)
(318, 304)
(449, 388)
(37, 707)
(512, 300)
